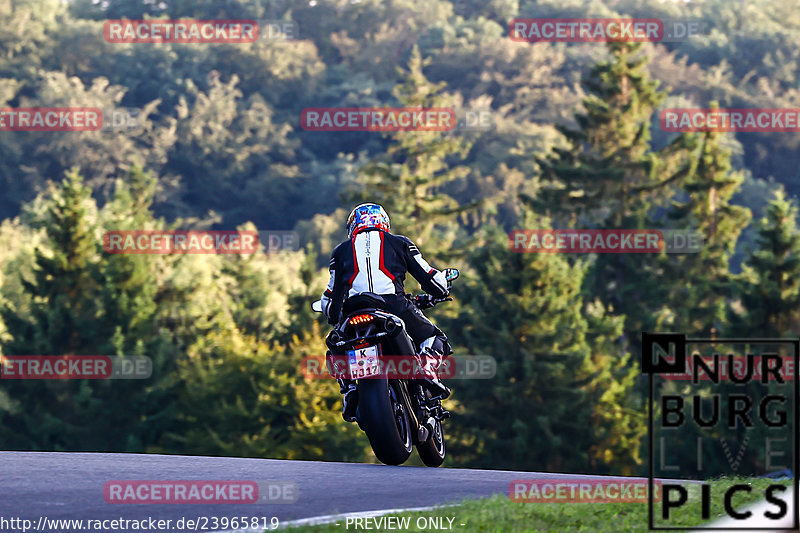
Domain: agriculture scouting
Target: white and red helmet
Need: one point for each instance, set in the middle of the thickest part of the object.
(367, 216)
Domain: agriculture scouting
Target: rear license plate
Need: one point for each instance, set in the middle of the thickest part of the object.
(364, 362)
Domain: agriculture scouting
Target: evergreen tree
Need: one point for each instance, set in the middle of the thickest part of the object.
(129, 295)
(64, 294)
(65, 284)
(607, 176)
(761, 302)
(700, 283)
(86, 302)
(131, 298)
(769, 288)
(561, 399)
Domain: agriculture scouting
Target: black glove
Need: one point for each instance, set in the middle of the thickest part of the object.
(426, 301)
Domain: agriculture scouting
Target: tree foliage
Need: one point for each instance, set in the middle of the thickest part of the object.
(218, 143)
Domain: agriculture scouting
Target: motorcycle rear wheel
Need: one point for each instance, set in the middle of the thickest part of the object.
(385, 421)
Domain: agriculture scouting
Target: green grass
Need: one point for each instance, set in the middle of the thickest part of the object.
(500, 514)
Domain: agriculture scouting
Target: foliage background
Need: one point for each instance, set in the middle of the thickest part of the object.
(575, 143)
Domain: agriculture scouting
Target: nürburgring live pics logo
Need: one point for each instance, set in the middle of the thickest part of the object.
(720, 407)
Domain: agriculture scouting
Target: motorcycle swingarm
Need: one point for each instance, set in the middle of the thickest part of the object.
(401, 390)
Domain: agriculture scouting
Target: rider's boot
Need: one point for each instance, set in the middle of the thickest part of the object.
(350, 400)
(431, 361)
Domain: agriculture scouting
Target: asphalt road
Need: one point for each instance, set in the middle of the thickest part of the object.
(71, 486)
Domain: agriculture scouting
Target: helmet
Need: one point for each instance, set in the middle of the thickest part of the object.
(367, 216)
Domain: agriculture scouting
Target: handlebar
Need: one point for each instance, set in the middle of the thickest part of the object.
(426, 301)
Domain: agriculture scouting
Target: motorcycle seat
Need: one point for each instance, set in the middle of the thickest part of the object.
(363, 300)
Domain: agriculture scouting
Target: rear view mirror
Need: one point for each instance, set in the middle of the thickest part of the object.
(317, 306)
(451, 273)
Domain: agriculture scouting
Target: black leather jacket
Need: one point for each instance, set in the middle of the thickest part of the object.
(377, 261)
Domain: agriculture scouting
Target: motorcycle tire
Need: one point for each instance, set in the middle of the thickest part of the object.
(384, 420)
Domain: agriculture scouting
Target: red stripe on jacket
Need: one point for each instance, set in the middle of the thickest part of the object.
(355, 263)
(380, 261)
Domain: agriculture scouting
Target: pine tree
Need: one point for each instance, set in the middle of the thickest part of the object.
(61, 320)
(131, 298)
(65, 285)
(700, 283)
(129, 291)
(761, 302)
(769, 288)
(83, 301)
(561, 399)
(608, 175)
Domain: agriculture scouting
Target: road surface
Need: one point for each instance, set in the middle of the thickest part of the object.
(36, 485)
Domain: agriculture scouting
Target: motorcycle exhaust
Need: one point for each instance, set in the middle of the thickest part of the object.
(426, 430)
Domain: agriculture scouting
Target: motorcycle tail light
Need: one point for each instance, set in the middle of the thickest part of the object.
(360, 319)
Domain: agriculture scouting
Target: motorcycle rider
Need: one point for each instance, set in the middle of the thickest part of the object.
(374, 260)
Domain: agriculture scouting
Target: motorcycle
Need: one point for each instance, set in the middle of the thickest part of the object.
(396, 411)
